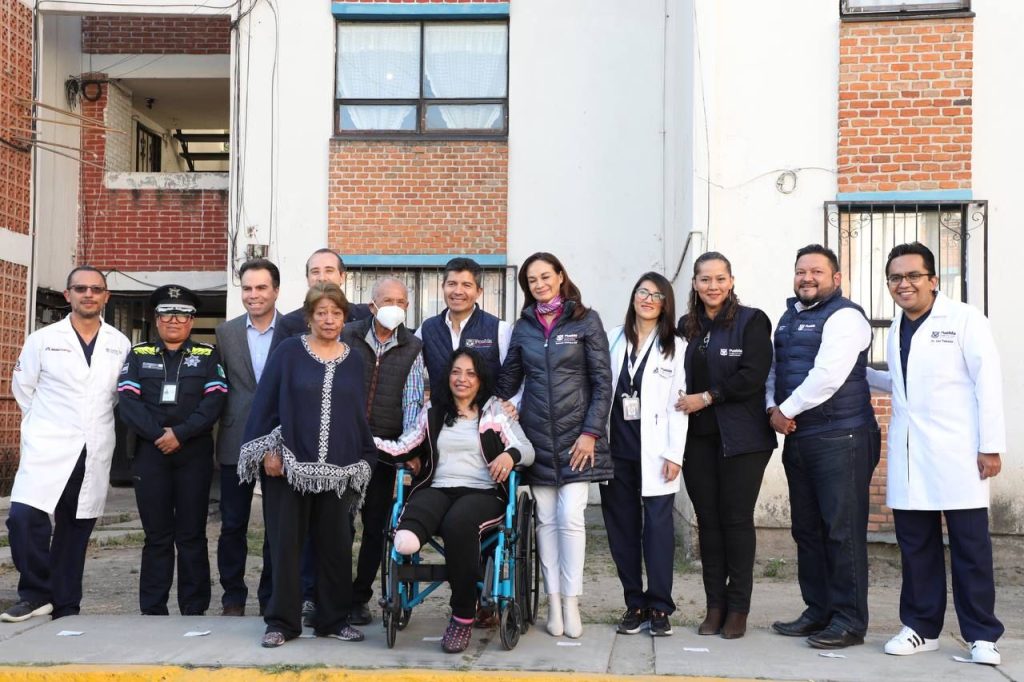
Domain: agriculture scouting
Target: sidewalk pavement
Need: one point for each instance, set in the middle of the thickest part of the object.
(128, 648)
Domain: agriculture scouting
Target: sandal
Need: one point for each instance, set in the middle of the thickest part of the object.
(456, 637)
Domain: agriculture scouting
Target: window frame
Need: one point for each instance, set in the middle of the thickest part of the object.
(972, 215)
(421, 103)
(144, 135)
(358, 284)
(895, 11)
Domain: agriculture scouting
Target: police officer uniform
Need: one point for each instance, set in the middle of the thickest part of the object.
(184, 390)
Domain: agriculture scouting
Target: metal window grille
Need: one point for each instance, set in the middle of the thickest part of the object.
(862, 234)
(426, 290)
(147, 150)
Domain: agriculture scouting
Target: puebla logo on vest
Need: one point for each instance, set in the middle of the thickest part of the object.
(479, 343)
(730, 352)
(807, 326)
(566, 339)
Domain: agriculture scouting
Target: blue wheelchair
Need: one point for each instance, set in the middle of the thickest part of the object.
(511, 576)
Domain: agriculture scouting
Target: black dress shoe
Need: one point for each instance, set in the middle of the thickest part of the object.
(835, 637)
(801, 627)
(360, 615)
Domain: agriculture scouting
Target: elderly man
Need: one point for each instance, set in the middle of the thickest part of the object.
(818, 396)
(946, 433)
(245, 343)
(394, 383)
(65, 383)
(172, 394)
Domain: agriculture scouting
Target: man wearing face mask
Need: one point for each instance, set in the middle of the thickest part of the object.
(393, 377)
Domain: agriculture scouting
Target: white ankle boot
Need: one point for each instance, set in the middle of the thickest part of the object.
(573, 624)
(555, 627)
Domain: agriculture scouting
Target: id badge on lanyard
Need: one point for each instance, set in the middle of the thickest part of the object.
(631, 403)
(169, 393)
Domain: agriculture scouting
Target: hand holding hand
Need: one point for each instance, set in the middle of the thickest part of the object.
(689, 404)
(168, 442)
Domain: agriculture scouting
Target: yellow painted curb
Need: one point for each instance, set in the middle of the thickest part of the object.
(130, 673)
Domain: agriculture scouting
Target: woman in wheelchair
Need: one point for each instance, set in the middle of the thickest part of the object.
(467, 447)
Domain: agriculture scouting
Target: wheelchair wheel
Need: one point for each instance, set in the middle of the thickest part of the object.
(527, 586)
(510, 624)
(390, 622)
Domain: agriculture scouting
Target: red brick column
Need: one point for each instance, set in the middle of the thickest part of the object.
(15, 179)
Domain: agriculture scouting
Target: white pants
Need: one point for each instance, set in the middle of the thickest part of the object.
(562, 536)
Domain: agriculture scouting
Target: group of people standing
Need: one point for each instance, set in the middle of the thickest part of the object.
(324, 404)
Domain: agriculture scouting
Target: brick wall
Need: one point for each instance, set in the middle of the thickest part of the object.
(418, 197)
(15, 169)
(879, 515)
(156, 35)
(147, 229)
(905, 105)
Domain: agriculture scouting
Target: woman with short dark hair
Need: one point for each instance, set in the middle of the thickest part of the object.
(308, 439)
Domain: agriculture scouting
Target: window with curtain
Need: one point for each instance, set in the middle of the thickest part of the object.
(438, 78)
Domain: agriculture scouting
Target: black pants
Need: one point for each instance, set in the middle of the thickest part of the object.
(640, 527)
(375, 512)
(723, 491)
(173, 495)
(923, 597)
(233, 545)
(290, 517)
(51, 570)
(459, 516)
(829, 476)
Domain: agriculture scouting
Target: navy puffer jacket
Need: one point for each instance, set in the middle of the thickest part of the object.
(568, 392)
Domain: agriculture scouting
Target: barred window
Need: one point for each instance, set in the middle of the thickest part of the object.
(862, 234)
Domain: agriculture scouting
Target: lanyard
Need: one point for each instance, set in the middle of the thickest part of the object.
(631, 366)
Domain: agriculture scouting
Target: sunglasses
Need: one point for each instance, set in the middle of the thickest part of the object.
(82, 288)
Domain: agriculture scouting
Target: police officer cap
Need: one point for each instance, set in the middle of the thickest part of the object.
(173, 298)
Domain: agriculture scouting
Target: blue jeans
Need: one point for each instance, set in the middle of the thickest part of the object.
(829, 476)
(232, 546)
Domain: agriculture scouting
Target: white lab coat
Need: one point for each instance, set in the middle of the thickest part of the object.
(950, 410)
(66, 405)
(662, 428)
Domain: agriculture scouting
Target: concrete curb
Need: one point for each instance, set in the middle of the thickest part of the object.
(91, 673)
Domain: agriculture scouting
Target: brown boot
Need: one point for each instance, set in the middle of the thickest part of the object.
(735, 625)
(712, 624)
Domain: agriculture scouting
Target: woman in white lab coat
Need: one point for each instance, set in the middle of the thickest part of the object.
(647, 438)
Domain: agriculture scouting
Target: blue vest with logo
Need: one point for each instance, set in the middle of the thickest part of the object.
(797, 340)
(480, 332)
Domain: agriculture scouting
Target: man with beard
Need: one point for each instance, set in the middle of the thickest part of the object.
(818, 397)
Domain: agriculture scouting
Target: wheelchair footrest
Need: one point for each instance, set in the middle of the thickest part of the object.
(424, 573)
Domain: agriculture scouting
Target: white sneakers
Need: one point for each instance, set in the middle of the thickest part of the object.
(909, 642)
(985, 653)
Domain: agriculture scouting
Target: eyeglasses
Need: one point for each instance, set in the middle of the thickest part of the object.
(644, 294)
(180, 318)
(912, 277)
(82, 288)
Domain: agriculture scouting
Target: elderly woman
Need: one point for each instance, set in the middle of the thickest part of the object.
(307, 432)
(729, 441)
(467, 447)
(559, 348)
(647, 439)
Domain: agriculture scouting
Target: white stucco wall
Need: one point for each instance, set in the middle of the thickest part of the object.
(55, 202)
(284, 182)
(996, 163)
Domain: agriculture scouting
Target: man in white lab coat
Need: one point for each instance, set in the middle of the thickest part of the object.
(65, 382)
(945, 436)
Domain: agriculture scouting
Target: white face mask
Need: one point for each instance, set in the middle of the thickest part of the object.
(390, 316)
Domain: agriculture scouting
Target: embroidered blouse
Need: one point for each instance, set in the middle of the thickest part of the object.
(310, 412)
